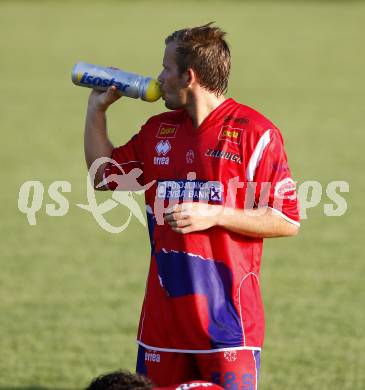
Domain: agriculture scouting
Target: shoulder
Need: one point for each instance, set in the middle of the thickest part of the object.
(173, 117)
(255, 121)
(258, 131)
(258, 128)
(163, 125)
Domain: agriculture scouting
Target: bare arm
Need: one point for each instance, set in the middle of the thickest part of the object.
(96, 141)
(262, 223)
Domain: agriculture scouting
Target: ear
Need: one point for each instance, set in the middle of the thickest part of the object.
(190, 77)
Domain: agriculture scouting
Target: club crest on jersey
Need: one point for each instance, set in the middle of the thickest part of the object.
(230, 356)
(162, 148)
(189, 156)
(167, 131)
(230, 134)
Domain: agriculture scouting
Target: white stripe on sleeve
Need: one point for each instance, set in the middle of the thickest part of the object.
(257, 154)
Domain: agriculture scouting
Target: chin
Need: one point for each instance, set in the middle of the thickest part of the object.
(173, 105)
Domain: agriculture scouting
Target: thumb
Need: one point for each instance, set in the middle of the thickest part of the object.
(112, 93)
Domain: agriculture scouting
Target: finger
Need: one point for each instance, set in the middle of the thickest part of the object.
(186, 206)
(112, 91)
(180, 223)
(174, 208)
(168, 217)
(183, 230)
(95, 92)
(176, 216)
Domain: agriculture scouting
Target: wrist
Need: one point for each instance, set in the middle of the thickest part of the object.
(97, 107)
(219, 217)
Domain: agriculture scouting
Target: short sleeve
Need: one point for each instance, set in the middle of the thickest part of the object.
(268, 168)
(125, 158)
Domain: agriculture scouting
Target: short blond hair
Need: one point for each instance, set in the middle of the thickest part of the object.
(205, 50)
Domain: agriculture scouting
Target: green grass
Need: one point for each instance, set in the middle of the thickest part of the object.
(70, 293)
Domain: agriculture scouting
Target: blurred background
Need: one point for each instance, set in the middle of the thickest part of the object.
(70, 293)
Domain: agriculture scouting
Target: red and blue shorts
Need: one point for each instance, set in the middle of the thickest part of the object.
(231, 369)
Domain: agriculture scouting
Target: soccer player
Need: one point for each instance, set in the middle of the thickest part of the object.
(218, 183)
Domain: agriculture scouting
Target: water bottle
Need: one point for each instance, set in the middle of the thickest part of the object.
(129, 84)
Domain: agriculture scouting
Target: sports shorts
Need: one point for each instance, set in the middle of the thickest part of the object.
(231, 369)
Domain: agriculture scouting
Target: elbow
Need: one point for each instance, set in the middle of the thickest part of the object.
(98, 187)
(100, 184)
(292, 230)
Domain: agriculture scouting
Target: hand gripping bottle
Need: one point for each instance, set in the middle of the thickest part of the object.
(129, 84)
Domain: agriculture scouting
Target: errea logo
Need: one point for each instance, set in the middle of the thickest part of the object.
(152, 356)
(162, 148)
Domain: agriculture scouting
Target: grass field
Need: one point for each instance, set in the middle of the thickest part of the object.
(70, 293)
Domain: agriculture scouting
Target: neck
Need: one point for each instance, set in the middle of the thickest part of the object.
(202, 105)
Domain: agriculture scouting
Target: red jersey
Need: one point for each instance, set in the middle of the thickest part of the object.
(203, 292)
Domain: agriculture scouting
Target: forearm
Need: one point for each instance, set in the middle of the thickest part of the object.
(96, 141)
(261, 223)
(192, 216)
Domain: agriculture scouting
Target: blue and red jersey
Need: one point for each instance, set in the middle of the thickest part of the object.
(203, 290)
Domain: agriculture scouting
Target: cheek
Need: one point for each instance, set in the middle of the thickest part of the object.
(168, 79)
(174, 83)
(169, 85)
